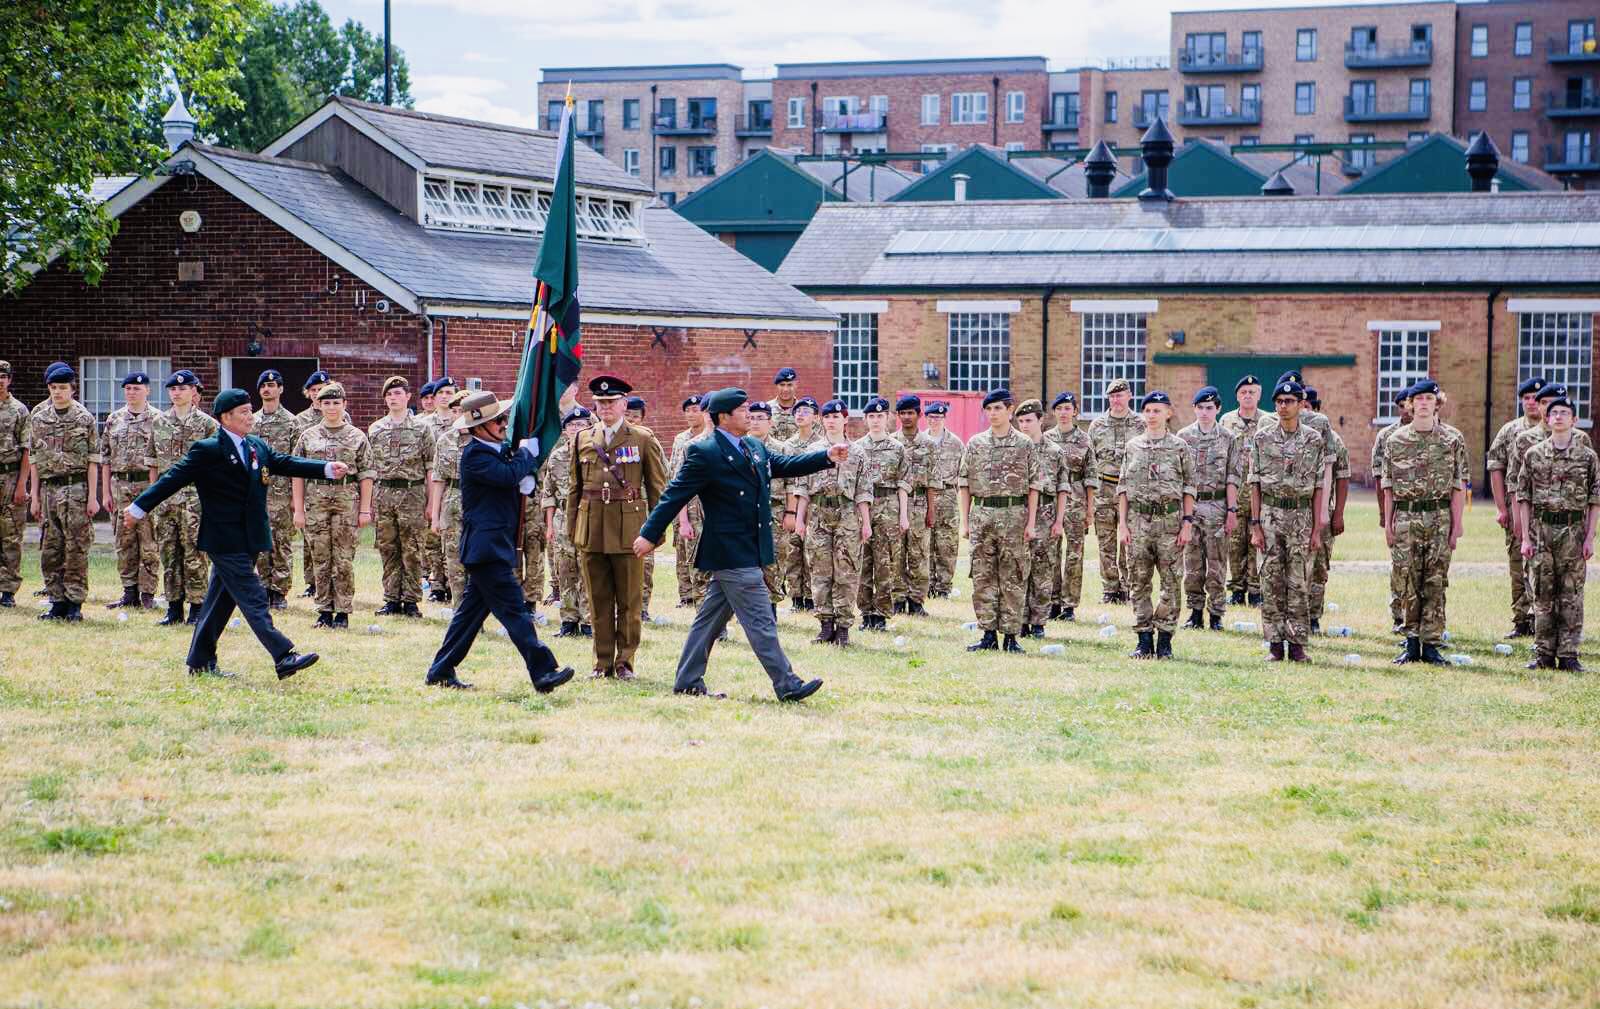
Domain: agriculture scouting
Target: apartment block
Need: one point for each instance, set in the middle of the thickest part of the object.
(1529, 74)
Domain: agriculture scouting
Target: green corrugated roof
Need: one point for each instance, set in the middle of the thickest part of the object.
(1198, 169)
(1438, 165)
(762, 193)
(992, 177)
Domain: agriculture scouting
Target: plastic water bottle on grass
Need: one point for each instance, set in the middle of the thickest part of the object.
(1333, 607)
(1352, 659)
(1053, 649)
(502, 631)
(235, 622)
(901, 641)
(1446, 635)
(955, 593)
(1339, 632)
(1244, 626)
(122, 618)
(1104, 618)
(1503, 649)
(374, 629)
(1460, 660)
(1108, 631)
(970, 625)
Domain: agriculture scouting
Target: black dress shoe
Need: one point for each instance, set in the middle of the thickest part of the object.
(324, 619)
(990, 642)
(1163, 644)
(194, 614)
(210, 670)
(551, 680)
(1197, 620)
(174, 615)
(802, 692)
(450, 682)
(390, 608)
(1010, 644)
(294, 662)
(699, 690)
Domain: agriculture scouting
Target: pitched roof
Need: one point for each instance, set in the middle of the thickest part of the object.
(766, 192)
(845, 245)
(1308, 174)
(1438, 164)
(1202, 168)
(1064, 176)
(992, 176)
(865, 183)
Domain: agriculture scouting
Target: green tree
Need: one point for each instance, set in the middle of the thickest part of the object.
(77, 77)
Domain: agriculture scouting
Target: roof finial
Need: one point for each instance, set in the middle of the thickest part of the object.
(177, 126)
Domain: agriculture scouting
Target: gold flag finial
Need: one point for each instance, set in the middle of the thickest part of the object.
(569, 94)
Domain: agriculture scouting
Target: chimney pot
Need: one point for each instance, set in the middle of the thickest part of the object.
(960, 179)
(1099, 168)
(1483, 161)
(1277, 186)
(1156, 146)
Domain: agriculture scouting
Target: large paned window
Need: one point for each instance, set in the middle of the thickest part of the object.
(1559, 346)
(980, 351)
(855, 358)
(1402, 361)
(472, 205)
(100, 381)
(1113, 347)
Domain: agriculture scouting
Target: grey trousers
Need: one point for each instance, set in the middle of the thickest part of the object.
(740, 592)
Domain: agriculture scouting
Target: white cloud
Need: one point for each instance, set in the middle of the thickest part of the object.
(482, 58)
(469, 98)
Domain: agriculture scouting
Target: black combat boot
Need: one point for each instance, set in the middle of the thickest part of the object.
(1216, 621)
(899, 605)
(841, 634)
(130, 597)
(1275, 651)
(1010, 644)
(1431, 655)
(1197, 620)
(1411, 653)
(8, 599)
(1163, 644)
(194, 614)
(569, 629)
(1055, 612)
(1542, 661)
(410, 610)
(341, 621)
(1146, 648)
(916, 609)
(276, 601)
(1255, 599)
(309, 593)
(324, 619)
(1069, 614)
(1237, 598)
(1297, 652)
(988, 643)
(1316, 626)
(57, 611)
(825, 634)
(587, 631)
(390, 608)
(1520, 630)
(1570, 664)
(174, 615)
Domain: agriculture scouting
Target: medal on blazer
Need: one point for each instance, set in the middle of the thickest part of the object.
(627, 454)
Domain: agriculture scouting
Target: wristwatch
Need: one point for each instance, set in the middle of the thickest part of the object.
(1233, 511)
(1255, 522)
(1188, 518)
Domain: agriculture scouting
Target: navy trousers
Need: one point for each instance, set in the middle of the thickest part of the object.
(234, 583)
(491, 589)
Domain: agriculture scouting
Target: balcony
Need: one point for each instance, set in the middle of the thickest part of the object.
(1370, 110)
(1565, 51)
(1066, 124)
(670, 124)
(1243, 114)
(852, 122)
(1192, 61)
(581, 127)
(1560, 160)
(753, 126)
(1568, 106)
(1417, 54)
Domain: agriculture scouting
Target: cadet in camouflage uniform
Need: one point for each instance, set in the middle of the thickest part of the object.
(635, 416)
(1332, 515)
(276, 426)
(1213, 451)
(797, 570)
(777, 499)
(566, 565)
(402, 452)
(13, 486)
(1286, 506)
(333, 511)
(783, 404)
(884, 458)
(945, 543)
(1244, 577)
(1426, 473)
(129, 449)
(1505, 505)
(444, 500)
(834, 514)
(1109, 435)
(64, 450)
(1083, 481)
(686, 531)
(1044, 558)
(439, 555)
(1000, 485)
(308, 418)
(1155, 520)
(1559, 498)
(913, 572)
(184, 567)
(1402, 402)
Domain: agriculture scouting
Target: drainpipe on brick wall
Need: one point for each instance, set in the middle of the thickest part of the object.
(444, 346)
(994, 105)
(653, 161)
(1488, 377)
(1044, 347)
(428, 321)
(814, 122)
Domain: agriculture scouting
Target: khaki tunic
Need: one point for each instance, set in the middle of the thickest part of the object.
(62, 444)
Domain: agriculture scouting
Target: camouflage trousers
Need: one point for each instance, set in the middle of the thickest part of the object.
(1154, 551)
(399, 516)
(944, 542)
(833, 555)
(1000, 556)
(1244, 568)
(1285, 574)
(138, 559)
(1113, 556)
(647, 587)
(1044, 566)
(796, 566)
(1558, 572)
(183, 566)
(569, 575)
(1321, 567)
(1420, 559)
(12, 521)
(331, 531)
(691, 583)
(773, 573)
(455, 573)
(275, 567)
(880, 559)
(308, 568)
(913, 573)
(64, 541)
(531, 552)
(1068, 586)
(1521, 579)
(1206, 559)
(435, 551)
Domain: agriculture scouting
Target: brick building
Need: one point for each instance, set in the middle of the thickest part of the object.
(372, 241)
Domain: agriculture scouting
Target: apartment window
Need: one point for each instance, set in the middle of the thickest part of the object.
(1153, 104)
(880, 105)
(667, 112)
(670, 199)
(1064, 109)
(1522, 39)
(1579, 32)
(1559, 346)
(1477, 94)
(797, 113)
(1363, 97)
(855, 358)
(1363, 39)
(1575, 148)
(1519, 146)
(1250, 47)
(1249, 98)
(1480, 40)
(630, 113)
(1113, 347)
(933, 166)
(1415, 137)
(930, 110)
(667, 165)
(1421, 95)
(1202, 49)
(1305, 98)
(1111, 106)
(1358, 159)
(1015, 145)
(1305, 138)
(969, 108)
(1522, 93)
(980, 351)
(630, 160)
(595, 119)
(1402, 361)
(702, 113)
(1421, 37)
(1250, 140)
(702, 161)
(100, 381)
(1016, 106)
(1305, 45)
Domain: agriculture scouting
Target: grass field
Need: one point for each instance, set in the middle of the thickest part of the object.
(932, 829)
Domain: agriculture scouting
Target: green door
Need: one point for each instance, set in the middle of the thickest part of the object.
(1225, 370)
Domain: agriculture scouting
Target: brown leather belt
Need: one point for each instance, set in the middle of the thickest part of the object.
(604, 494)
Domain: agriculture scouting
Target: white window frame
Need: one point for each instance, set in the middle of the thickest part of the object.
(1479, 41)
(796, 114)
(977, 351)
(969, 108)
(1403, 349)
(933, 166)
(1115, 343)
(1478, 94)
(1521, 135)
(1016, 106)
(630, 161)
(930, 110)
(100, 381)
(1522, 39)
(855, 358)
(483, 204)
(1559, 345)
(879, 104)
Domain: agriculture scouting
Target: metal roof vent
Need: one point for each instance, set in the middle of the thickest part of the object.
(1099, 168)
(1157, 147)
(177, 125)
(960, 179)
(1483, 161)
(1277, 185)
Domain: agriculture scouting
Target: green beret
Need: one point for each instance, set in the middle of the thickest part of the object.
(724, 401)
(229, 399)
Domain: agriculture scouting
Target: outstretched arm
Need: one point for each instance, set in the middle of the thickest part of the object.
(685, 487)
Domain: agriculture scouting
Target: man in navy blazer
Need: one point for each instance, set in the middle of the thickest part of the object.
(730, 473)
(494, 480)
(231, 471)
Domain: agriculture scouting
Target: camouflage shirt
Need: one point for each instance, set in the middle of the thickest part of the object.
(1522, 443)
(278, 429)
(1240, 426)
(1110, 436)
(885, 462)
(447, 456)
(1560, 479)
(174, 434)
(1380, 456)
(1308, 418)
(62, 442)
(1500, 449)
(777, 489)
(1424, 465)
(850, 479)
(1213, 454)
(345, 444)
(1053, 473)
(401, 449)
(1156, 470)
(947, 451)
(1004, 466)
(129, 440)
(1078, 457)
(13, 430)
(783, 425)
(1286, 465)
(558, 467)
(920, 470)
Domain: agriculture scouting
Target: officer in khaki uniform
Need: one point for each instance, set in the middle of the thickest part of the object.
(444, 499)
(1000, 485)
(308, 418)
(1523, 443)
(885, 460)
(617, 477)
(64, 450)
(797, 566)
(13, 486)
(1402, 402)
(402, 451)
(1083, 482)
(1286, 508)
(1044, 560)
(1505, 505)
(834, 518)
(914, 572)
(945, 542)
(635, 414)
(276, 426)
(1244, 578)
(1216, 510)
(1335, 496)
(184, 569)
(1155, 521)
(566, 567)
(1110, 433)
(332, 511)
(130, 459)
(1559, 500)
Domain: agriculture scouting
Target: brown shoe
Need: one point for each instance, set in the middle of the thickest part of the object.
(1275, 651)
(624, 671)
(600, 673)
(1297, 652)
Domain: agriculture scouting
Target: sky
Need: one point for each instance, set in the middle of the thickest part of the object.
(481, 59)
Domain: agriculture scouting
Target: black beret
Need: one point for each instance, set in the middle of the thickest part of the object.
(317, 378)
(998, 396)
(1560, 401)
(443, 382)
(1288, 387)
(1425, 386)
(1312, 396)
(576, 413)
(806, 401)
(1155, 397)
(1292, 375)
(635, 403)
(1208, 394)
(908, 402)
(1533, 384)
(690, 401)
(60, 372)
(833, 406)
(270, 375)
(876, 404)
(1551, 390)
(759, 407)
(427, 389)
(725, 401)
(1064, 397)
(229, 399)
(1402, 395)
(1247, 380)
(938, 409)
(183, 377)
(135, 378)
(784, 375)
